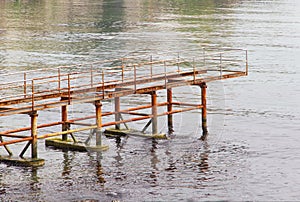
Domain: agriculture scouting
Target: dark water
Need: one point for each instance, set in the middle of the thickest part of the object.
(253, 149)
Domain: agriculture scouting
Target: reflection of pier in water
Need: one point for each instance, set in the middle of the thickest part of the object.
(29, 92)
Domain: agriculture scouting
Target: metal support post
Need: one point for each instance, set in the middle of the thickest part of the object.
(204, 111)
(117, 112)
(33, 117)
(154, 112)
(98, 105)
(169, 108)
(64, 118)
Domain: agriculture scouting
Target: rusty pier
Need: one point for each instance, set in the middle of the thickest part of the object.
(35, 93)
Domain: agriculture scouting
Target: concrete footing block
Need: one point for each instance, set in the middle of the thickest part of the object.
(75, 146)
(18, 161)
(111, 132)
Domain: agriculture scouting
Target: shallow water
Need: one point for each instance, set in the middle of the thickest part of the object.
(252, 152)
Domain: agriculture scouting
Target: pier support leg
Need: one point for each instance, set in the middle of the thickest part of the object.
(98, 105)
(117, 110)
(204, 111)
(169, 108)
(33, 117)
(154, 112)
(64, 118)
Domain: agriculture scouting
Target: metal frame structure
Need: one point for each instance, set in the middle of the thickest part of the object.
(29, 92)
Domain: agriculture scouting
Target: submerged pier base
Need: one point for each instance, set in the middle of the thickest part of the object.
(111, 132)
(74, 146)
(18, 161)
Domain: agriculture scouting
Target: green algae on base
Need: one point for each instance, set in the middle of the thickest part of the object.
(18, 161)
(131, 132)
(70, 145)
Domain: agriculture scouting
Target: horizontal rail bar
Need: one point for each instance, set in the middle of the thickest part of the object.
(93, 126)
(184, 104)
(14, 135)
(5, 133)
(66, 132)
(135, 113)
(15, 141)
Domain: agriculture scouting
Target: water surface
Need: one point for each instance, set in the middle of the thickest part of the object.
(252, 152)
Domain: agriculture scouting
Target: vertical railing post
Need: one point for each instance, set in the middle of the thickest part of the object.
(221, 73)
(122, 70)
(58, 80)
(69, 90)
(25, 85)
(103, 84)
(204, 58)
(134, 66)
(194, 70)
(178, 59)
(165, 69)
(151, 67)
(92, 82)
(32, 94)
(204, 111)
(246, 62)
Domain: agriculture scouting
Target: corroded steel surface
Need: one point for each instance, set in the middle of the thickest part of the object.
(31, 91)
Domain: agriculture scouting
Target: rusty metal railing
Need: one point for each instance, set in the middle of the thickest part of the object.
(33, 90)
(35, 87)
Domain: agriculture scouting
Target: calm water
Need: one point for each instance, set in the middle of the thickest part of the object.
(253, 150)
